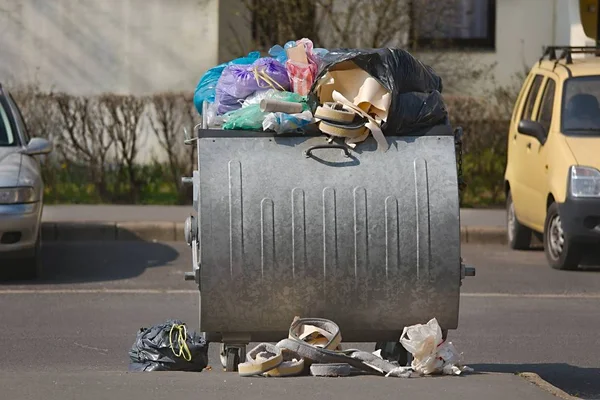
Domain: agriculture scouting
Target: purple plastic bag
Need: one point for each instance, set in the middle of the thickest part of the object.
(274, 70)
(240, 81)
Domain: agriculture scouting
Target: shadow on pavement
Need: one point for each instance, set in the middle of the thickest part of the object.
(577, 381)
(76, 262)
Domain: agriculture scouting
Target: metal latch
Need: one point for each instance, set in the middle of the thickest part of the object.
(466, 270)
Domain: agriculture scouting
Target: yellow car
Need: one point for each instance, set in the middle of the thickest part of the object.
(552, 177)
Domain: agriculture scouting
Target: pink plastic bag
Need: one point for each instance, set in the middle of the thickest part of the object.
(303, 75)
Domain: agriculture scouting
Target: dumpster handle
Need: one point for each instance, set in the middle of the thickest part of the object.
(308, 152)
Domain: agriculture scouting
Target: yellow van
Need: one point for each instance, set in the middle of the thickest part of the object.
(552, 177)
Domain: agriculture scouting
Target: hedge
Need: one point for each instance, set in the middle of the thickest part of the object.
(98, 140)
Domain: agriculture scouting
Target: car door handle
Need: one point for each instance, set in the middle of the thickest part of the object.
(529, 145)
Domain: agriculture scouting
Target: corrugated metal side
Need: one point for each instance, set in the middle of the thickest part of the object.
(371, 242)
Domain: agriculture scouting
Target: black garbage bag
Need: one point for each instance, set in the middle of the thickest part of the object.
(168, 347)
(415, 87)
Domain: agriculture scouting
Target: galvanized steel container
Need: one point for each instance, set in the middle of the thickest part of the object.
(291, 226)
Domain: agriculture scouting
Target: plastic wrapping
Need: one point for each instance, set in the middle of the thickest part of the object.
(246, 118)
(240, 81)
(287, 123)
(280, 55)
(205, 91)
(431, 354)
(416, 89)
(160, 348)
(273, 94)
(303, 75)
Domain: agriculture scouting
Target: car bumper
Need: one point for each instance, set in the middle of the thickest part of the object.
(580, 218)
(19, 227)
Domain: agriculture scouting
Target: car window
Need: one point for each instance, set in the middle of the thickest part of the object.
(580, 110)
(546, 107)
(19, 119)
(533, 92)
(7, 136)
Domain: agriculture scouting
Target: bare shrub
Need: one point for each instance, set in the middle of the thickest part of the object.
(121, 117)
(83, 141)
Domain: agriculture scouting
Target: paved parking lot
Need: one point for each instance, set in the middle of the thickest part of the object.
(517, 315)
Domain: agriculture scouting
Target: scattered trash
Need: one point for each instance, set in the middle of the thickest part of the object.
(431, 353)
(313, 347)
(168, 347)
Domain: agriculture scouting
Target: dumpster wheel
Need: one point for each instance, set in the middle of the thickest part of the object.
(232, 357)
(394, 351)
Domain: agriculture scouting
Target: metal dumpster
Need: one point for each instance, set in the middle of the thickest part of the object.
(295, 226)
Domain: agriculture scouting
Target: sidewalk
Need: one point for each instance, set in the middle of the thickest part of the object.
(96, 385)
(165, 223)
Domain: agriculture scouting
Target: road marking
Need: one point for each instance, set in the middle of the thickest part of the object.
(535, 295)
(97, 291)
(187, 291)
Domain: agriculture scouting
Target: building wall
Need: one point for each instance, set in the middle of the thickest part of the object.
(95, 46)
(524, 27)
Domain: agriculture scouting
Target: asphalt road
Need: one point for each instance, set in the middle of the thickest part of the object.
(517, 315)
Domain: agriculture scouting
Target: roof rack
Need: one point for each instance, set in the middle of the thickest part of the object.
(567, 52)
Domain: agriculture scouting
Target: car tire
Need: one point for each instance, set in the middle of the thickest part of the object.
(562, 252)
(518, 236)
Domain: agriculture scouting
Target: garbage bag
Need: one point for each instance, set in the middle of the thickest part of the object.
(431, 353)
(302, 75)
(415, 87)
(247, 118)
(168, 347)
(205, 90)
(287, 123)
(280, 55)
(240, 81)
(273, 94)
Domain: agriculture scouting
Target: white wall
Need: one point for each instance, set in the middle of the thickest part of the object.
(524, 27)
(94, 46)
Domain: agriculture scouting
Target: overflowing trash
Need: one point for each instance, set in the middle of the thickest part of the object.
(314, 347)
(349, 94)
(168, 347)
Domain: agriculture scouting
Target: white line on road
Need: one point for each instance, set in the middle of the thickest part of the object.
(182, 291)
(97, 291)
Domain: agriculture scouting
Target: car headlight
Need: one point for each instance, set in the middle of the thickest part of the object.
(17, 195)
(585, 182)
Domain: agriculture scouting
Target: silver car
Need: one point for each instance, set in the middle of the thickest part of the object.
(21, 193)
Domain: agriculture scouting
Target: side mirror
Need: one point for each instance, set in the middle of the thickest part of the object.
(37, 146)
(533, 129)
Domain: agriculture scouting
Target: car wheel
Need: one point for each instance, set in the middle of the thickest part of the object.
(518, 236)
(561, 251)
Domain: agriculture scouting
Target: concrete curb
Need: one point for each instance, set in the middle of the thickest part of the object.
(547, 386)
(173, 232)
(112, 231)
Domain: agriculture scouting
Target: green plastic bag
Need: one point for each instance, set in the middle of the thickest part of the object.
(246, 118)
(250, 117)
